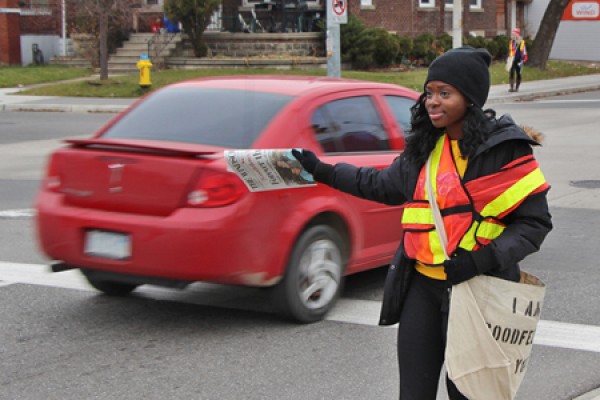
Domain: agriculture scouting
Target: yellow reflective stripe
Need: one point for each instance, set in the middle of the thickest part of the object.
(417, 216)
(468, 240)
(486, 230)
(436, 247)
(489, 230)
(436, 156)
(514, 194)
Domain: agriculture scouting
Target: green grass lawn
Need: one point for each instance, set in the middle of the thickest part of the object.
(127, 85)
(17, 76)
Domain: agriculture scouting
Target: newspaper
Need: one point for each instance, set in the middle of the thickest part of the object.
(269, 169)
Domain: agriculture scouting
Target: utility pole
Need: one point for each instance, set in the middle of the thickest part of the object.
(337, 13)
(457, 23)
(64, 28)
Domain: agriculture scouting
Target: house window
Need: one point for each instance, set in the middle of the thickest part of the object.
(35, 8)
(426, 3)
(33, 3)
(366, 3)
(473, 4)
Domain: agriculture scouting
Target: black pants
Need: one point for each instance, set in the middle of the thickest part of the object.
(515, 69)
(422, 340)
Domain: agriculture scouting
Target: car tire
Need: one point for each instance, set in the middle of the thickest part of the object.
(314, 276)
(111, 288)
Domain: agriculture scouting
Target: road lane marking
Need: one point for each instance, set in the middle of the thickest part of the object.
(569, 101)
(549, 333)
(361, 312)
(19, 213)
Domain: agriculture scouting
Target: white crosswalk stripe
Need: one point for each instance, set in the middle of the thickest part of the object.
(19, 213)
(361, 312)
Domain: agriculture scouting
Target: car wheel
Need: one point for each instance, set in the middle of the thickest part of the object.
(314, 275)
(111, 288)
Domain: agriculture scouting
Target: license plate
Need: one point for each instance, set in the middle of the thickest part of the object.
(107, 244)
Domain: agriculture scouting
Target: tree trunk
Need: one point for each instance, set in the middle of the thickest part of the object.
(200, 48)
(195, 36)
(442, 17)
(103, 38)
(466, 7)
(544, 39)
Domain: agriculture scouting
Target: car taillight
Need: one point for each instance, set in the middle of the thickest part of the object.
(216, 189)
(52, 181)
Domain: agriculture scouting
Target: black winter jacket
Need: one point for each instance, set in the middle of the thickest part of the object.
(526, 226)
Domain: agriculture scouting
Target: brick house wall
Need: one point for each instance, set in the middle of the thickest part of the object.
(405, 17)
(38, 19)
(40, 25)
(10, 33)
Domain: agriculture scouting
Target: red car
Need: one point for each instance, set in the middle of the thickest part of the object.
(148, 199)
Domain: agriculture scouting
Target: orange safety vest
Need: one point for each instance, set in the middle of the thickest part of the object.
(471, 212)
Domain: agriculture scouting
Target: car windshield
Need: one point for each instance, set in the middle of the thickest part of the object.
(218, 117)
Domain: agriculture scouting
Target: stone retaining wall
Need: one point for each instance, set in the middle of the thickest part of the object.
(304, 63)
(226, 44)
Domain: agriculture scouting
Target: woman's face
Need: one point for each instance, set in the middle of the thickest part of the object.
(446, 107)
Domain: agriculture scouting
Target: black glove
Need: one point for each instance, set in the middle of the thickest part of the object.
(460, 268)
(307, 158)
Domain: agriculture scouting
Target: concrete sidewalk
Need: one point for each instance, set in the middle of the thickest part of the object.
(10, 100)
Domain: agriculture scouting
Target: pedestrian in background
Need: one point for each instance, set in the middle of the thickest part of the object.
(475, 156)
(518, 51)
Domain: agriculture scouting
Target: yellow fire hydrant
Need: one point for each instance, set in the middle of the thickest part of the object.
(144, 65)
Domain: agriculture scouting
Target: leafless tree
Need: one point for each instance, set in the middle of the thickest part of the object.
(99, 18)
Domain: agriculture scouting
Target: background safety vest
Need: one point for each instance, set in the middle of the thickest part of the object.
(512, 50)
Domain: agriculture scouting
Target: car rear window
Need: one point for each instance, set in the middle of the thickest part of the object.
(217, 117)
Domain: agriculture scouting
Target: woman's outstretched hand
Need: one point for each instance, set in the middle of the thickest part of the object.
(307, 158)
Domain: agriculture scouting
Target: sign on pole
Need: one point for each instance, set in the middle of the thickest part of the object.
(339, 11)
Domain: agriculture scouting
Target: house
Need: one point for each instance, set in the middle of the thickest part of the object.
(33, 31)
(36, 30)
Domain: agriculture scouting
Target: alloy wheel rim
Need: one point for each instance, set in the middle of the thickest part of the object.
(319, 274)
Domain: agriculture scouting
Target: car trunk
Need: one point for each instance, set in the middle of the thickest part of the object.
(131, 179)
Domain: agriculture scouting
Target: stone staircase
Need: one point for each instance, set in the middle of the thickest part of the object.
(161, 47)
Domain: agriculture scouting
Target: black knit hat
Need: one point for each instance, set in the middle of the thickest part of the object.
(465, 68)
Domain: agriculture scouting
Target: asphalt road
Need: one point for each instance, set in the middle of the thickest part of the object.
(61, 340)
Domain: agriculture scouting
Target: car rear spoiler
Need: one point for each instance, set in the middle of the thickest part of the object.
(153, 146)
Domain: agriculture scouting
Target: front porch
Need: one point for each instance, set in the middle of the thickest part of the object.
(246, 16)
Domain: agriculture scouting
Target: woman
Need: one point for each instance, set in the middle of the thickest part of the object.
(477, 159)
(517, 50)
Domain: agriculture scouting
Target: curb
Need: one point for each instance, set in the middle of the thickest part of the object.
(541, 94)
(593, 395)
(99, 109)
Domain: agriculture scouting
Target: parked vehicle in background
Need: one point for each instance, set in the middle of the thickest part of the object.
(148, 200)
